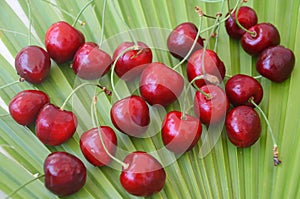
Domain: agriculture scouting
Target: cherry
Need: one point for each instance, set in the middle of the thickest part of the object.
(247, 18)
(131, 115)
(182, 38)
(212, 65)
(92, 148)
(264, 35)
(243, 126)
(276, 63)
(180, 133)
(33, 64)
(55, 126)
(210, 104)
(25, 106)
(160, 84)
(143, 176)
(132, 62)
(90, 62)
(65, 174)
(62, 41)
(240, 88)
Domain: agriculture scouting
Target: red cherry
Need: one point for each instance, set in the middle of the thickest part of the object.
(243, 126)
(240, 88)
(180, 134)
(212, 64)
(62, 41)
(247, 18)
(131, 115)
(266, 36)
(25, 106)
(65, 174)
(160, 84)
(211, 109)
(33, 64)
(131, 64)
(182, 38)
(92, 148)
(55, 126)
(144, 175)
(276, 63)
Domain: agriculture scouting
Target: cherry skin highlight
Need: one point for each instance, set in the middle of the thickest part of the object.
(276, 63)
(131, 64)
(25, 106)
(241, 88)
(92, 148)
(144, 175)
(55, 126)
(33, 64)
(180, 134)
(243, 126)
(181, 39)
(62, 41)
(131, 115)
(65, 174)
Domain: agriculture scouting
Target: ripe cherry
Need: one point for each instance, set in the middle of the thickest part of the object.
(90, 62)
(62, 41)
(131, 64)
(243, 126)
(264, 35)
(25, 106)
(180, 133)
(247, 18)
(92, 148)
(276, 63)
(211, 104)
(240, 88)
(33, 64)
(65, 174)
(212, 65)
(131, 115)
(55, 126)
(182, 38)
(143, 176)
(160, 84)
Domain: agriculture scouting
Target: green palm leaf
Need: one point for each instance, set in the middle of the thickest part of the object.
(225, 172)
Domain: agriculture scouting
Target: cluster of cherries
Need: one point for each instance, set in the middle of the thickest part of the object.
(142, 174)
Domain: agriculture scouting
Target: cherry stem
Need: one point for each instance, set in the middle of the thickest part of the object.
(12, 31)
(81, 11)
(12, 83)
(4, 115)
(30, 22)
(95, 118)
(107, 92)
(102, 25)
(219, 14)
(275, 149)
(21, 187)
(257, 77)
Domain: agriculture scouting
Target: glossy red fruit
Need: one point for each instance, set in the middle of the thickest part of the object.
(247, 18)
(240, 88)
(92, 148)
(161, 85)
(65, 174)
(144, 175)
(62, 41)
(181, 39)
(90, 62)
(33, 64)
(131, 64)
(243, 126)
(180, 134)
(266, 36)
(213, 108)
(276, 63)
(25, 106)
(131, 115)
(55, 126)
(212, 65)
